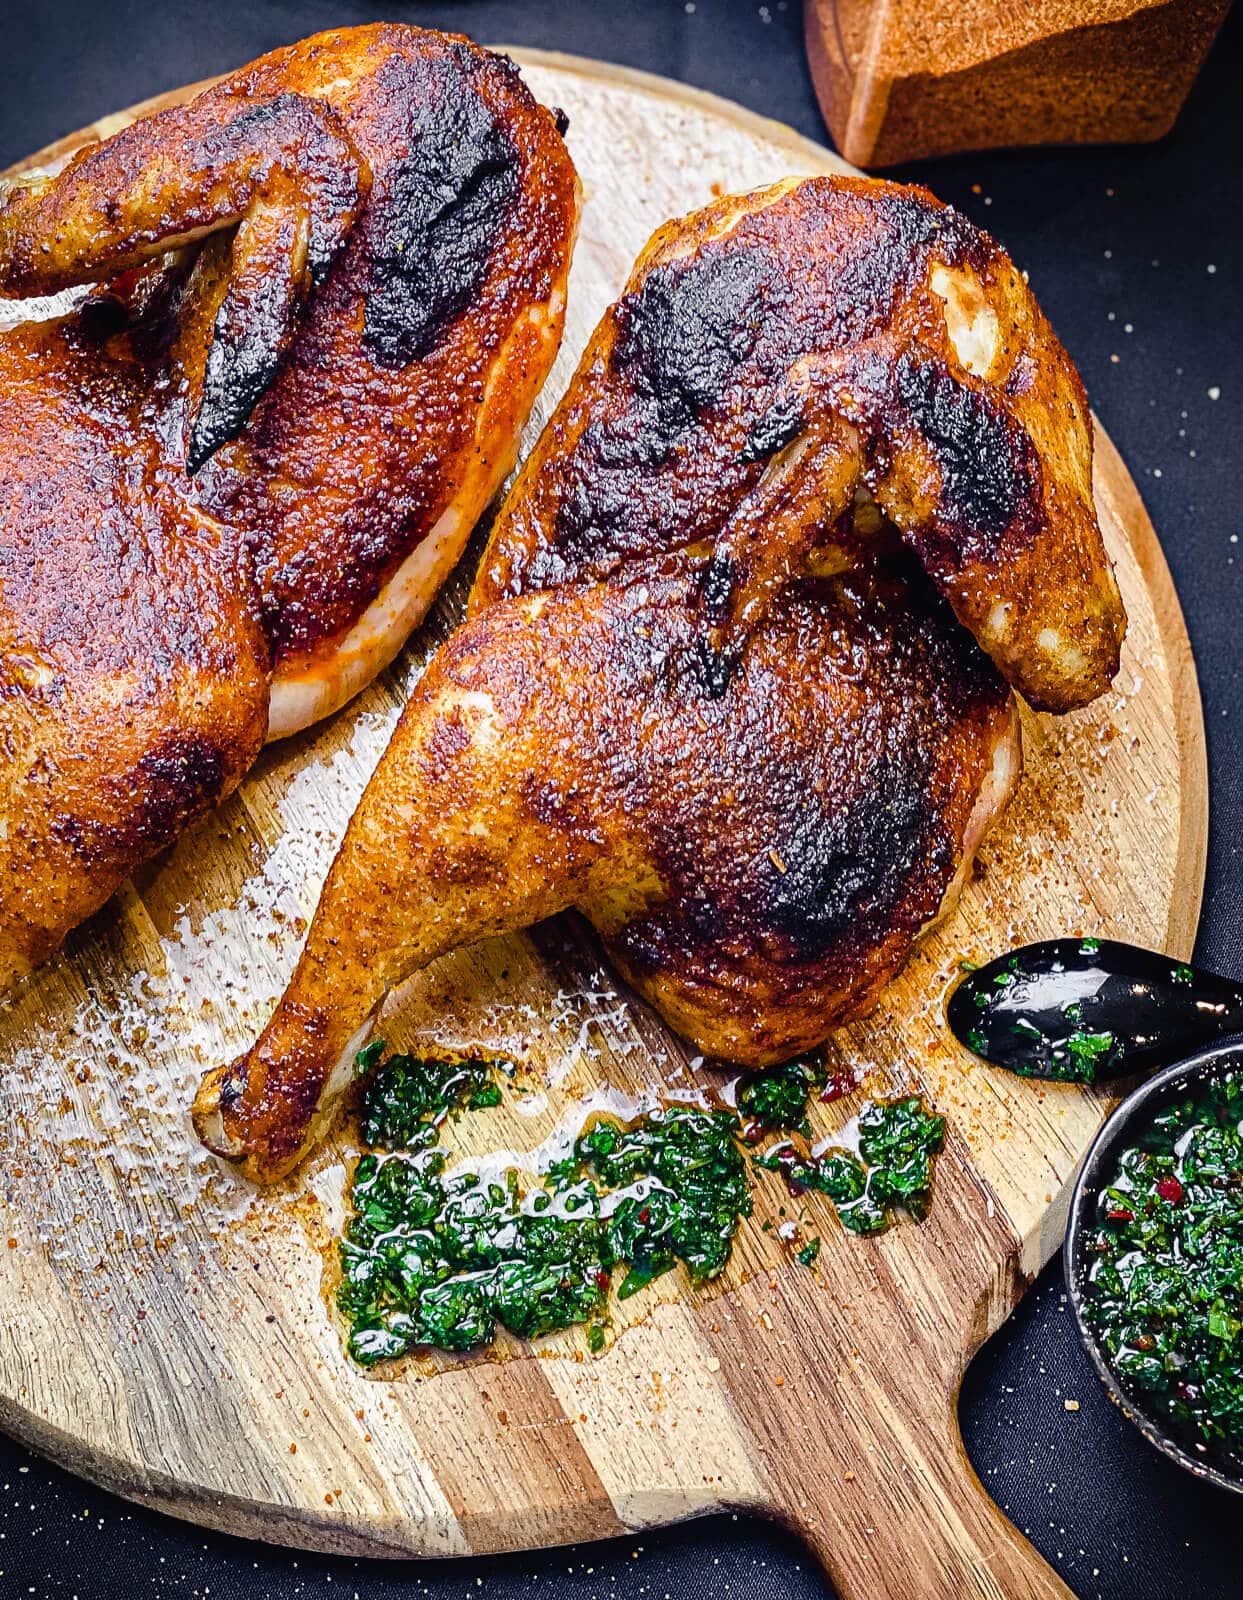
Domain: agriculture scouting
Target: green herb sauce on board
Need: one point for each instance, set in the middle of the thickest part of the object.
(776, 1099)
(892, 1170)
(433, 1257)
(1165, 1288)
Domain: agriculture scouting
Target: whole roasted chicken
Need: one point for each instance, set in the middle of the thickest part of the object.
(233, 477)
(711, 690)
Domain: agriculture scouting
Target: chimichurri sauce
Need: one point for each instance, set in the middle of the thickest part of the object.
(405, 1107)
(676, 1187)
(775, 1100)
(432, 1257)
(892, 1171)
(1165, 1288)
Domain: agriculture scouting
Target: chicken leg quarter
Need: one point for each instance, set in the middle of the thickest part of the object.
(565, 749)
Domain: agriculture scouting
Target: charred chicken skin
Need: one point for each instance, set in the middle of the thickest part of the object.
(711, 691)
(235, 474)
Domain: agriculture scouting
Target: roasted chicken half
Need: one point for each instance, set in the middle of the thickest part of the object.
(711, 690)
(233, 477)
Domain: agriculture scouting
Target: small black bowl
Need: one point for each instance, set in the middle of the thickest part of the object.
(1098, 1167)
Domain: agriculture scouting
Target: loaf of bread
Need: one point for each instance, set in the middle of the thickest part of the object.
(898, 80)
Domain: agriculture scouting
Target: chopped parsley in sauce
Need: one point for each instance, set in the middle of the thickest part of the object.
(406, 1108)
(807, 1255)
(1086, 1055)
(1165, 1287)
(892, 1171)
(776, 1099)
(437, 1257)
(1078, 1058)
(677, 1191)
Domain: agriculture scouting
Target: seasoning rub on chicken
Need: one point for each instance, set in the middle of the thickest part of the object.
(712, 691)
(234, 476)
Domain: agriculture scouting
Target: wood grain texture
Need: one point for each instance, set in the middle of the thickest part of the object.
(167, 1333)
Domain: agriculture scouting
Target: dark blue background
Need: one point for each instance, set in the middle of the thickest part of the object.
(1136, 256)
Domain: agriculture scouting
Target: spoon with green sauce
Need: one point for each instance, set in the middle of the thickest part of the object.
(1088, 1010)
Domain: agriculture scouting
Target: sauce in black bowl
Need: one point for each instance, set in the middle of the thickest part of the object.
(1154, 1261)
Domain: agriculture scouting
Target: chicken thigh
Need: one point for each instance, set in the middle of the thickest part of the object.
(232, 480)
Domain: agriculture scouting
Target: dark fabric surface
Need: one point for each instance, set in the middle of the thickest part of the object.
(1136, 255)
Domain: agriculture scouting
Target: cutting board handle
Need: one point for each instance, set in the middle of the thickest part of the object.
(926, 1529)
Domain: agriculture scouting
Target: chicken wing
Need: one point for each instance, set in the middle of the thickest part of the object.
(283, 175)
(804, 347)
(232, 479)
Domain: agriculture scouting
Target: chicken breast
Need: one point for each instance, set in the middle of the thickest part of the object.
(777, 360)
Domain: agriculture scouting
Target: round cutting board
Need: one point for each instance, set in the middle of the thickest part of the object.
(167, 1331)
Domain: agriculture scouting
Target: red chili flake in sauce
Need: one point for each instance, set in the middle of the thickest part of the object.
(1170, 1189)
(645, 1215)
(1120, 1214)
(836, 1086)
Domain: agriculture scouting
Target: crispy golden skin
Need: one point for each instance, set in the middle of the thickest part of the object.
(776, 355)
(396, 416)
(759, 862)
(133, 670)
(232, 482)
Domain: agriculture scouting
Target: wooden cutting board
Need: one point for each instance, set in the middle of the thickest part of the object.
(166, 1331)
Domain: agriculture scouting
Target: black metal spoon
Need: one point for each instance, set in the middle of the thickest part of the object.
(1086, 1010)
